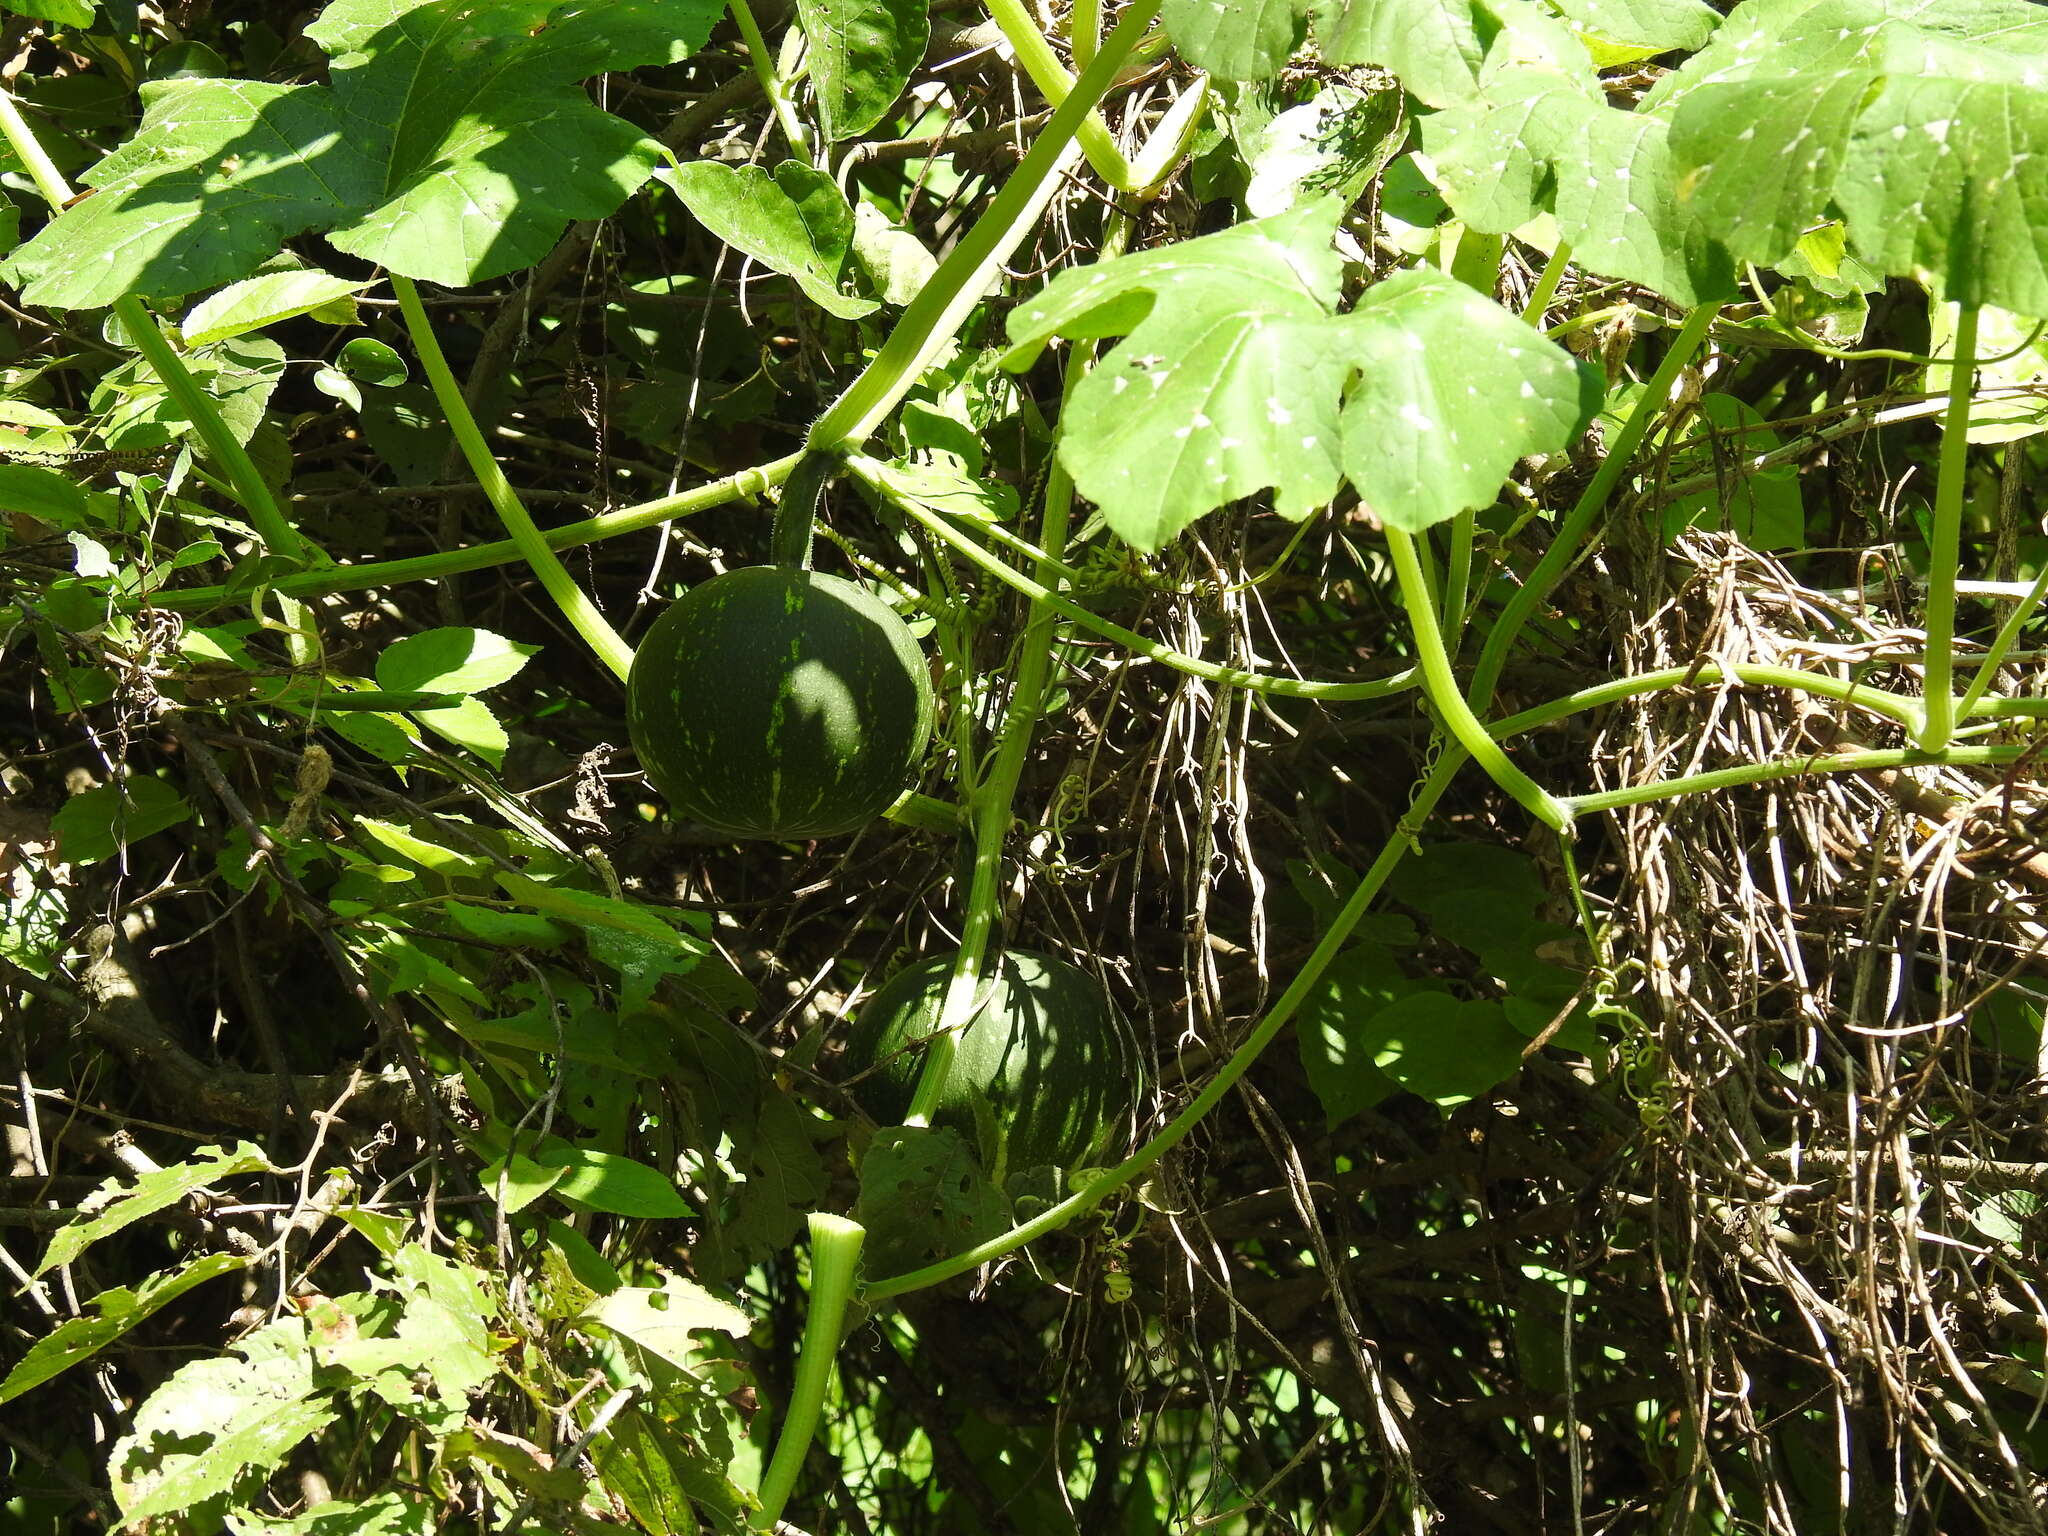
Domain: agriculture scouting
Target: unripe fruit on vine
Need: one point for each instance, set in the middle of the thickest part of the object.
(773, 702)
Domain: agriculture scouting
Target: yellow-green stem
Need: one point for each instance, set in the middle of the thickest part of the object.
(576, 606)
(1442, 687)
(771, 82)
(1944, 541)
(835, 1263)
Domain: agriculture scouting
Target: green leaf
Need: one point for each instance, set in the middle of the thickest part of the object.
(922, 1198)
(1539, 139)
(116, 1311)
(1623, 31)
(862, 53)
(1441, 1048)
(456, 659)
(255, 302)
(99, 823)
(1441, 49)
(1237, 376)
(1763, 507)
(173, 211)
(661, 1319)
(42, 494)
(369, 361)
(1360, 983)
(218, 1426)
(796, 222)
(897, 263)
(382, 1514)
(453, 145)
(67, 13)
(1926, 126)
(605, 1181)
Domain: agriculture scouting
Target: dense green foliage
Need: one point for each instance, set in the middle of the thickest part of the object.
(1386, 880)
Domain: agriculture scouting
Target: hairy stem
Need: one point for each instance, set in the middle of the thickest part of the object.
(963, 277)
(1441, 685)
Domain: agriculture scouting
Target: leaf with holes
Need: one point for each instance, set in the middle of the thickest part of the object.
(1925, 126)
(862, 55)
(1237, 376)
(454, 145)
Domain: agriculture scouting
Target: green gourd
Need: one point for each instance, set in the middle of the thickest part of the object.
(1047, 1065)
(775, 702)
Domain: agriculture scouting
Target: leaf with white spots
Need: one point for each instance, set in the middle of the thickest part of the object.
(1451, 391)
(454, 144)
(1546, 140)
(1236, 376)
(1924, 126)
(1438, 47)
(862, 55)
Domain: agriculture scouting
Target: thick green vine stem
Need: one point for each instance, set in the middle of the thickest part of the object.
(1441, 685)
(146, 335)
(835, 1261)
(1139, 1162)
(991, 803)
(942, 306)
(576, 606)
(741, 486)
(1944, 541)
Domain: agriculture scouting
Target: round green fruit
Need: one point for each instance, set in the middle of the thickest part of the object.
(1048, 1061)
(779, 703)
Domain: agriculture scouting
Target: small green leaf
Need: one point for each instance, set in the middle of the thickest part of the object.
(256, 302)
(661, 1319)
(862, 54)
(99, 823)
(369, 361)
(796, 222)
(116, 1311)
(1623, 31)
(605, 1181)
(382, 1514)
(456, 659)
(1441, 1048)
(1329, 1031)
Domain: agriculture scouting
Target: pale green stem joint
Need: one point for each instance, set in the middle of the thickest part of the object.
(835, 1262)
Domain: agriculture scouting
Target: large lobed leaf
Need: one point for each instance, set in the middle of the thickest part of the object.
(1237, 375)
(1925, 126)
(453, 145)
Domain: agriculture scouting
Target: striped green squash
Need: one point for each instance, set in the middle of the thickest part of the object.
(1047, 1071)
(779, 703)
